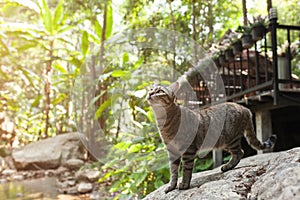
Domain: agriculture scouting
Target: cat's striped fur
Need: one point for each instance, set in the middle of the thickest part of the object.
(183, 131)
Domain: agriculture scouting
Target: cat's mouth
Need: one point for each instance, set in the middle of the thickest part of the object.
(157, 94)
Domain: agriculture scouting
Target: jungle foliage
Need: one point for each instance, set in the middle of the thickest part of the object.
(46, 46)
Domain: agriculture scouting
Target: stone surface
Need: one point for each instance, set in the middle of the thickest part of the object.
(74, 164)
(267, 176)
(84, 187)
(95, 196)
(8, 172)
(49, 153)
(2, 164)
(18, 177)
(90, 175)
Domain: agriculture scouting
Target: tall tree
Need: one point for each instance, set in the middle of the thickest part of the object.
(245, 12)
(269, 5)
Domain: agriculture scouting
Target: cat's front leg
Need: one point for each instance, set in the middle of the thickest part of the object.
(174, 166)
(187, 169)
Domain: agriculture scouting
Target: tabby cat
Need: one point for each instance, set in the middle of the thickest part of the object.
(183, 131)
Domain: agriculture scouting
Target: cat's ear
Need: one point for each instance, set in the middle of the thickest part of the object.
(174, 86)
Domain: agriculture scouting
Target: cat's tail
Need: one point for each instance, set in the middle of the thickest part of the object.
(252, 140)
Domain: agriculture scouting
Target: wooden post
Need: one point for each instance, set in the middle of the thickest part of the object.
(218, 158)
(263, 126)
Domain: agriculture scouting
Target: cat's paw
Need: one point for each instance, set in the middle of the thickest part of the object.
(184, 186)
(225, 168)
(170, 188)
(270, 143)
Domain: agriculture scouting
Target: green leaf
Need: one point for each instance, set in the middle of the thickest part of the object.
(60, 68)
(26, 46)
(59, 99)
(98, 30)
(109, 21)
(104, 76)
(125, 58)
(3, 48)
(121, 73)
(27, 3)
(158, 183)
(141, 110)
(139, 177)
(135, 148)
(46, 16)
(78, 63)
(102, 107)
(105, 105)
(58, 15)
(123, 145)
(96, 98)
(151, 116)
(36, 101)
(84, 43)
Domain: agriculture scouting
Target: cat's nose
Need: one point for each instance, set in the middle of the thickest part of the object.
(148, 97)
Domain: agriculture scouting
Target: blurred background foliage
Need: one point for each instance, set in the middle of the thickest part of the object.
(45, 46)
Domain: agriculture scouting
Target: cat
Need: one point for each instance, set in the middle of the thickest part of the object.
(183, 131)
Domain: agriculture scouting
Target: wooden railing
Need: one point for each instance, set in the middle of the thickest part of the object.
(257, 70)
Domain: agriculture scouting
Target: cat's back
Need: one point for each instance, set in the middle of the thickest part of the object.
(228, 109)
(228, 106)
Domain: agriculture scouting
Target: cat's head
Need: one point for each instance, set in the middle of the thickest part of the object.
(163, 96)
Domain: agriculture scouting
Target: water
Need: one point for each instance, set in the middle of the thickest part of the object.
(43, 188)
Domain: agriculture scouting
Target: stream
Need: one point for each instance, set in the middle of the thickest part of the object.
(43, 188)
(35, 189)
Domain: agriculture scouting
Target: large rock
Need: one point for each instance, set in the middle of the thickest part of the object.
(50, 153)
(265, 176)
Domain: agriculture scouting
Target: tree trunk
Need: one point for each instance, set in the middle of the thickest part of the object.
(269, 5)
(195, 32)
(174, 40)
(103, 86)
(210, 24)
(245, 12)
(47, 88)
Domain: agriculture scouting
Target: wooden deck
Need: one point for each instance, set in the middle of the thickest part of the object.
(262, 83)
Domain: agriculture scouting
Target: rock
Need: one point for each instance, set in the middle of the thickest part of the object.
(18, 177)
(95, 195)
(2, 164)
(19, 194)
(9, 162)
(38, 195)
(50, 173)
(90, 175)
(49, 153)
(3, 181)
(72, 190)
(61, 170)
(74, 164)
(84, 187)
(8, 172)
(62, 184)
(71, 182)
(69, 190)
(67, 197)
(266, 176)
